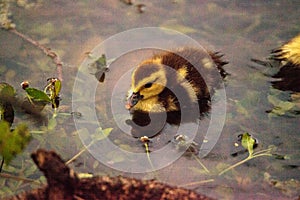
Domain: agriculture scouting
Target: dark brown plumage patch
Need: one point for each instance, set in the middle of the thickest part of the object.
(199, 76)
(288, 78)
(288, 75)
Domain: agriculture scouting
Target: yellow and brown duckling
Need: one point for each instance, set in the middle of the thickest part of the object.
(289, 53)
(286, 60)
(172, 81)
(288, 56)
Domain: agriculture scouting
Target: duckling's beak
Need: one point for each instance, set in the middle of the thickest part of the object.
(133, 100)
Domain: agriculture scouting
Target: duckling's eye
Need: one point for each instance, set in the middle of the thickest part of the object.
(147, 85)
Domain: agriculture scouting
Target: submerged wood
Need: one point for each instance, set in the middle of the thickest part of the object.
(63, 183)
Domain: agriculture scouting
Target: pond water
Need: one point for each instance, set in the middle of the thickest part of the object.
(241, 30)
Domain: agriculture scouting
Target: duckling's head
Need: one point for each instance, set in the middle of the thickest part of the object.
(147, 82)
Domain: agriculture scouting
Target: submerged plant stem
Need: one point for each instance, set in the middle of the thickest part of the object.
(263, 151)
(200, 163)
(79, 153)
(5, 175)
(47, 51)
(196, 183)
(245, 160)
(76, 156)
(235, 165)
(148, 154)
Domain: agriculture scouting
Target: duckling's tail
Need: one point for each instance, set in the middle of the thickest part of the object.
(217, 58)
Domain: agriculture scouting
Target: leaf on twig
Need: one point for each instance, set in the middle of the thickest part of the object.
(102, 133)
(248, 142)
(57, 87)
(37, 95)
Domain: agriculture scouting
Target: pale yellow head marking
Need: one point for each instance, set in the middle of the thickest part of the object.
(157, 78)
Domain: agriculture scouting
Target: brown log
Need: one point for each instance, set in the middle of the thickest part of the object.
(63, 183)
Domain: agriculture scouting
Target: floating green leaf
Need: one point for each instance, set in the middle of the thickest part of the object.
(12, 143)
(37, 95)
(102, 134)
(6, 90)
(248, 142)
(101, 62)
(280, 107)
(101, 67)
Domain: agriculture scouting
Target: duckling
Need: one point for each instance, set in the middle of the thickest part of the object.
(288, 53)
(286, 60)
(288, 56)
(172, 81)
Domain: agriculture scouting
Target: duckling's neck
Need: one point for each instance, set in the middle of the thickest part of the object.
(149, 105)
(155, 105)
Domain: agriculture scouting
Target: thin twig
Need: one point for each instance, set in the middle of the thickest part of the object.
(76, 156)
(200, 163)
(235, 165)
(243, 161)
(263, 151)
(79, 153)
(196, 183)
(5, 175)
(47, 51)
